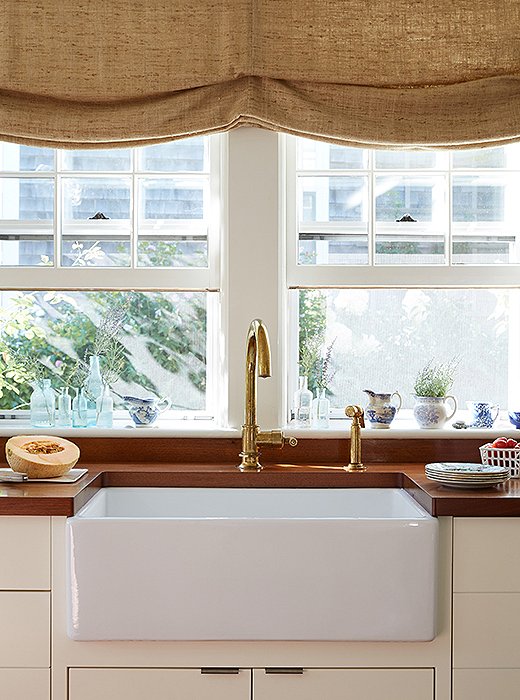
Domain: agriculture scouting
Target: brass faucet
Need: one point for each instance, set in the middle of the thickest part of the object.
(258, 362)
(356, 413)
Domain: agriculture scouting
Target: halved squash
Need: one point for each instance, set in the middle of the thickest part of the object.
(41, 456)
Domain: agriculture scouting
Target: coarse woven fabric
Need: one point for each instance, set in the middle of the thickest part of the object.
(377, 73)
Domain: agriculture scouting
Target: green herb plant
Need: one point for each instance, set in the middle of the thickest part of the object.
(436, 379)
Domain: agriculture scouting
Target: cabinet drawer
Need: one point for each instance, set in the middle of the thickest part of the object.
(486, 633)
(159, 684)
(483, 684)
(348, 684)
(24, 629)
(24, 684)
(486, 555)
(25, 559)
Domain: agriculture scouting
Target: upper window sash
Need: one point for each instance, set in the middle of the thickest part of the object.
(127, 232)
(351, 194)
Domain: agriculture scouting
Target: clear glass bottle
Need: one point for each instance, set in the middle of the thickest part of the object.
(42, 405)
(321, 412)
(64, 414)
(93, 389)
(302, 404)
(79, 410)
(105, 409)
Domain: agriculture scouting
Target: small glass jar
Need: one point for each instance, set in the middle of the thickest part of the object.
(105, 409)
(79, 410)
(42, 405)
(64, 414)
(302, 405)
(321, 412)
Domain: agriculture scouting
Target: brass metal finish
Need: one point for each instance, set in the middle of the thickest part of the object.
(258, 363)
(358, 421)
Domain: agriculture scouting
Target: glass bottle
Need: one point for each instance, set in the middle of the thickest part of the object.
(302, 404)
(321, 414)
(105, 409)
(41, 414)
(64, 415)
(79, 410)
(93, 389)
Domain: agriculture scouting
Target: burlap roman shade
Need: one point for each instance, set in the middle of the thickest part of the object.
(365, 72)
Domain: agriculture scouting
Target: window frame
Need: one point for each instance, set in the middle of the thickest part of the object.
(170, 279)
(371, 276)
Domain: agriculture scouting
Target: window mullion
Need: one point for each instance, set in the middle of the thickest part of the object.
(371, 209)
(57, 210)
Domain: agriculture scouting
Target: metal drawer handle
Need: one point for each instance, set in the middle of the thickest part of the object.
(219, 670)
(281, 670)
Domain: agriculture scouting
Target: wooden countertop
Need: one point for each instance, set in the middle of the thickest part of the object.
(66, 500)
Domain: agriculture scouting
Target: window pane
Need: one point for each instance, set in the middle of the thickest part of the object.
(96, 222)
(98, 160)
(333, 216)
(479, 198)
(187, 155)
(404, 160)
(83, 198)
(16, 158)
(163, 341)
(485, 219)
(480, 158)
(26, 221)
(172, 223)
(384, 336)
(411, 219)
(315, 155)
(169, 198)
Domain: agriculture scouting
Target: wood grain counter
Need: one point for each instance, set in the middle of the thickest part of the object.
(64, 499)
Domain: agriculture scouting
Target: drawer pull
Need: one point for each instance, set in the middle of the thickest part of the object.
(218, 670)
(281, 670)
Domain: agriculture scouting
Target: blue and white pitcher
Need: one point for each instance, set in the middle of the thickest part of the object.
(380, 411)
(145, 412)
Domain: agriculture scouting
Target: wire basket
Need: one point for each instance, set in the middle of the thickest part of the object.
(508, 457)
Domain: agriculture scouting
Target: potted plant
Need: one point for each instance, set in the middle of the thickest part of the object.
(432, 384)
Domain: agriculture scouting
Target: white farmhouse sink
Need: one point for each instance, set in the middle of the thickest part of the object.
(252, 564)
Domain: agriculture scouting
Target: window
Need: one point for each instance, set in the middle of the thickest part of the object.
(397, 257)
(404, 257)
(139, 226)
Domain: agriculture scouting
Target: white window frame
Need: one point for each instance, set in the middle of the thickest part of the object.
(205, 279)
(371, 276)
(252, 249)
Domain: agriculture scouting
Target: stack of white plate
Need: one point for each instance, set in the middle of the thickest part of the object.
(466, 475)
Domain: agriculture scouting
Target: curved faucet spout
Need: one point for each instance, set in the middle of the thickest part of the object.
(258, 364)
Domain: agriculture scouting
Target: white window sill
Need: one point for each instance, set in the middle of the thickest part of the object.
(399, 430)
(125, 428)
(406, 429)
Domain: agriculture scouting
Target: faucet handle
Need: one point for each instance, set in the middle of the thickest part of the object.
(275, 438)
(357, 414)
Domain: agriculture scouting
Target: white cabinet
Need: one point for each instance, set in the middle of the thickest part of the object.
(25, 621)
(345, 684)
(25, 562)
(486, 609)
(277, 684)
(24, 684)
(486, 684)
(24, 629)
(159, 684)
